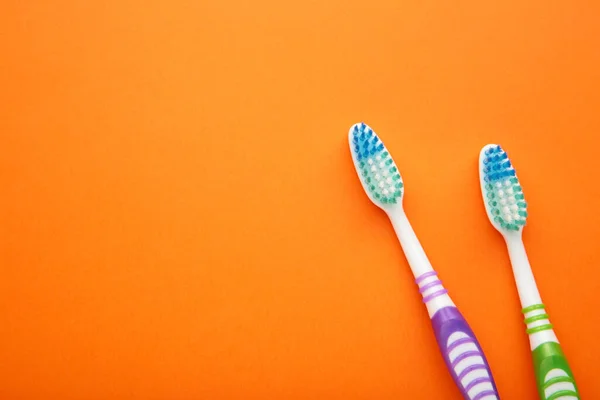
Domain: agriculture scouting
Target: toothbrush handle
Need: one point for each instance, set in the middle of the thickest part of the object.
(460, 349)
(553, 375)
(463, 355)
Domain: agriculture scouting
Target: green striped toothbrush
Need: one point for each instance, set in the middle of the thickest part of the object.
(507, 211)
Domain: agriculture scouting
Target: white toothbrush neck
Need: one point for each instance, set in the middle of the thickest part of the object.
(531, 301)
(417, 259)
(526, 286)
(434, 294)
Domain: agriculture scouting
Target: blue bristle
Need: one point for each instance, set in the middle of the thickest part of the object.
(362, 136)
(356, 148)
(512, 172)
(488, 151)
(486, 160)
(380, 147)
(503, 156)
(373, 150)
(355, 130)
(507, 164)
(486, 178)
(369, 133)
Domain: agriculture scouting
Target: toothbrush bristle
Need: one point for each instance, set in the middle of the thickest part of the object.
(377, 170)
(503, 193)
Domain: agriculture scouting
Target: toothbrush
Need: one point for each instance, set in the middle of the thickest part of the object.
(459, 347)
(507, 211)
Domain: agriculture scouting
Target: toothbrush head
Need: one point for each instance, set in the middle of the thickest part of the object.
(502, 194)
(376, 169)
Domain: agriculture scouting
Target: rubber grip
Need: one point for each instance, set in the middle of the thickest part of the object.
(554, 377)
(463, 355)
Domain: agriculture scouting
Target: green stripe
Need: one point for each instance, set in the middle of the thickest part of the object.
(558, 379)
(533, 307)
(563, 393)
(539, 329)
(535, 318)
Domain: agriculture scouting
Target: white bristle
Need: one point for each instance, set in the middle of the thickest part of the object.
(373, 168)
(500, 190)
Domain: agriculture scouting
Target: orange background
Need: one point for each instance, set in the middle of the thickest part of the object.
(180, 219)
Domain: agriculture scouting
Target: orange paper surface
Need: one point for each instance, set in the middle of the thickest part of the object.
(180, 218)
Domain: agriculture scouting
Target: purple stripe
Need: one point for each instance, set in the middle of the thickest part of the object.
(471, 369)
(434, 295)
(430, 285)
(477, 382)
(458, 343)
(465, 355)
(486, 393)
(425, 276)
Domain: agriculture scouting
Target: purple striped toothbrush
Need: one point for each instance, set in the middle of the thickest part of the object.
(459, 347)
